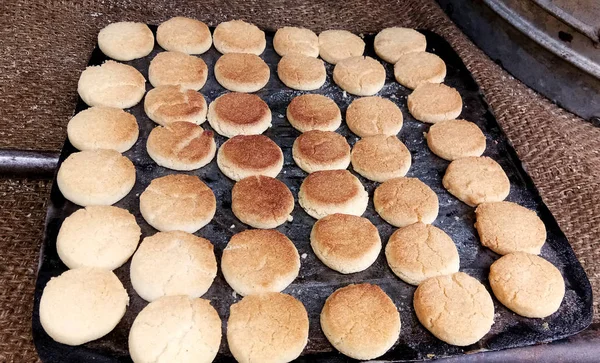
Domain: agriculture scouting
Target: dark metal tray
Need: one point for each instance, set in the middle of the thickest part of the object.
(316, 282)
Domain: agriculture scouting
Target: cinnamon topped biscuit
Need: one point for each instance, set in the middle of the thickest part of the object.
(247, 155)
(235, 113)
(314, 112)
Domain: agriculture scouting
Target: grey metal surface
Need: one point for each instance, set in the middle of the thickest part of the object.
(22, 163)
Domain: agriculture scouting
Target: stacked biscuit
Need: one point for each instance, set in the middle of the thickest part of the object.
(174, 268)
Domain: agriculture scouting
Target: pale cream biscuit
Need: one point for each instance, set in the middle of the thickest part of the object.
(103, 128)
(178, 202)
(111, 84)
(269, 327)
(166, 104)
(314, 112)
(361, 76)
(235, 113)
(455, 308)
(391, 43)
(82, 305)
(247, 155)
(98, 236)
(369, 116)
(321, 150)
(180, 34)
(475, 180)
(432, 102)
(380, 158)
(173, 263)
(177, 69)
(361, 321)
(95, 177)
(237, 36)
(181, 146)
(301, 72)
(416, 68)
(527, 284)
(420, 251)
(345, 243)
(289, 40)
(455, 139)
(242, 72)
(336, 45)
(506, 227)
(176, 329)
(262, 202)
(256, 261)
(404, 201)
(332, 191)
(126, 40)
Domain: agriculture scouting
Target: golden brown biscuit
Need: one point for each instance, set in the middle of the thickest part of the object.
(289, 40)
(336, 45)
(247, 155)
(321, 150)
(241, 72)
(256, 261)
(345, 243)
(404, 201)
(314, 112)
(455, 139)
(527, 284)
(475, 180)
(413, 69)
(262, 202)
(380, 158)
(301, 72)
(181, 146)
(432, 102)
(184, 35)
(126, 40)
(391, 43)
(361, 321)
(506, 227)
(369, 116)
(111, 84)
(235, 113)
(166, 104)
(103, 128)
(177, 69)
(237, 36)
(361, 76)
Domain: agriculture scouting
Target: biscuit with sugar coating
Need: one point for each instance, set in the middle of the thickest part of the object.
(289, 40)
(301, 72)
(361, 76)
(321, 150)
(432, 102)
(166, 104)
(177, 69)
(380, 158)
(414, 69)
(111, 84)
(392, 43)
(236, 113)
(126, 40)
(247, 155)
(314, 112)
(180, 34)
(404, 201)
(369, 116)
(242, 72)
(238, 36)
(336, 45)
(455, 139)
(103, 128)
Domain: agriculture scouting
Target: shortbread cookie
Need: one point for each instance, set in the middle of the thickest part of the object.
(432, 102)
(369, 116)
(391, 43)
(301, 72)
(414, 69)
(241, 72)
(314, 112)
(336, 45)
(125, 41)
(103, 128)
(321, 150)
(177, 69)
(235, 113)
(111, 84)
(166, 104)
(361, 76)
(184, 35)
(237, 36)
(293, 40)
(404, 201)
(455, 139)
(380, 158)
(247, 155)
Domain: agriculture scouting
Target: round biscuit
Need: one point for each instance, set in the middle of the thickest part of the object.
(126, 40)
(414, 69)
(392, 43)
(177, 69)
(455, 139)
(242, 72)
(336, 45)
(301, 72)
(380, 158)
(180, 34)
(360, 76)
(432, 102)
(290, 40)
(314, 112)
(317, 150)
(248, 155)
(404, 201)
(236, 113)
(166, 104)
(238, 36)
(103, 128)
(369, 116)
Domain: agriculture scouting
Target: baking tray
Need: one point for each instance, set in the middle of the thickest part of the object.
(315, 281)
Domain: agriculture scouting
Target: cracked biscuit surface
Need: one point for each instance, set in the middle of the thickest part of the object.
(166, 104)
(433, 102)
(414, 69)
(380, 158)
(249, 155)
(177, 69)
(301, 72)
(314, 112)
(238, 36)
(360, 76)
(455, 139)
(336, 45)
(392, 43)
(237, 113)
(321, 150)
(370, 116)
(404, 201)
(242, 72)
(290, 40)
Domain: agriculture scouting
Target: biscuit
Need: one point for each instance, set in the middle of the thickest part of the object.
(345, 243)
(98, 236)
(413, 69)
(336, 45)
(242, 72)
(176, 329)
(126, 40)
(111, 84)
(82, 305)
(256, 261)
(392, 43)
(235, 113)
(321, 150)
(332, 191)
(360, 76)
(301, 72)
(432, 102)
(369, 116)
(103, 128)
(173, 263)
(178, 202)
(262, 202)
(95, 177)
(177, 69)
(184, 35)
(404, 201)
(166, 104)
(455, 308)
(269, 327)
(237, 36)
(181, 146)
(420, 251)
(247, 155)
(288, 40)
(506, 227)
(527, 284)
(361, 321)
(380, 158)
(314, 112)
(455, 139)
(475, 180)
